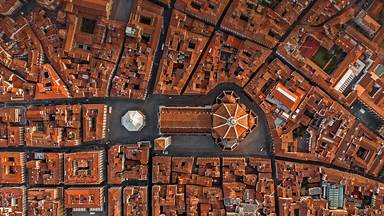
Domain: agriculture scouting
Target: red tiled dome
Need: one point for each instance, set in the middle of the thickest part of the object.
(230, 121)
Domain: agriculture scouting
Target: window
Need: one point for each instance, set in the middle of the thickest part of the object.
(362, 153)
(244, 17)
(88, 25)
(145, 20)
(146, 37)
(195, 5)
(46, 74)
(191, 45)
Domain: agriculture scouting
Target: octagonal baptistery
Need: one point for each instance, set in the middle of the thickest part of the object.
(232, 121)
(133, 120)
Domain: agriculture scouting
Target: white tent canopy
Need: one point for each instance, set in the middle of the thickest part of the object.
(133, 120)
